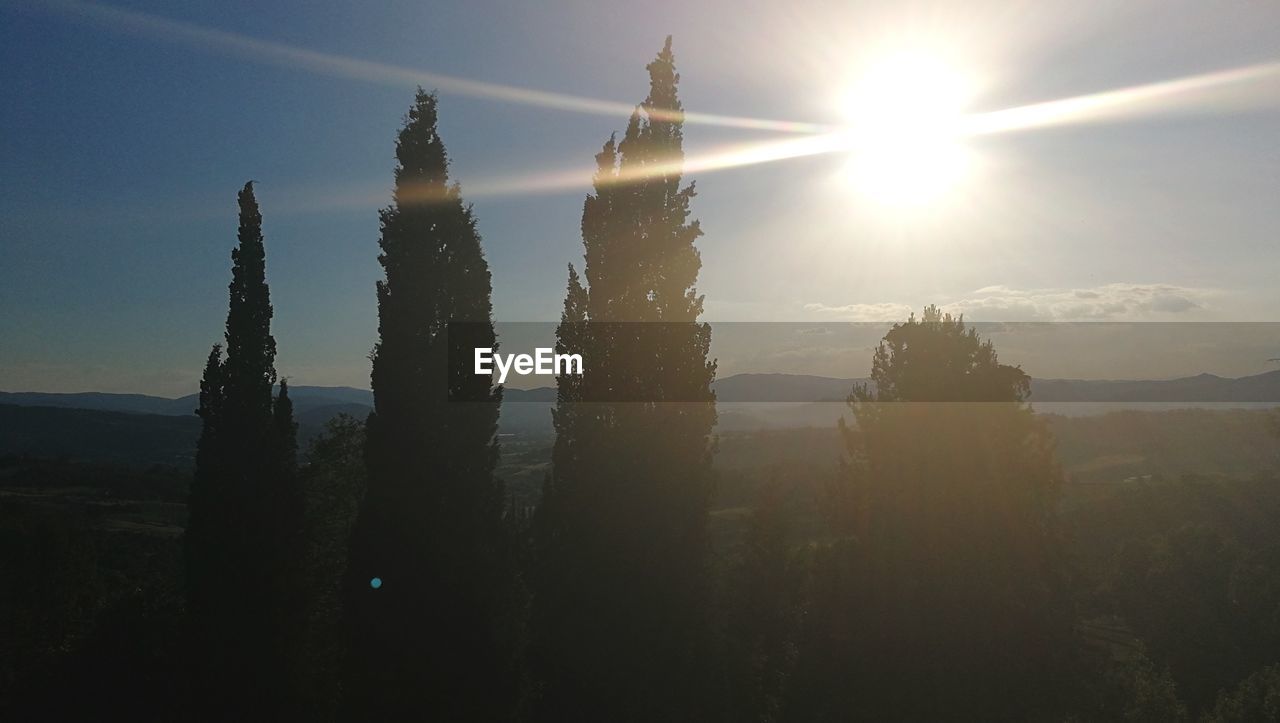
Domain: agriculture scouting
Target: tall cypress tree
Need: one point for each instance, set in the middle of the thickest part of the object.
(618, 617)
(245, 506)
(427, 639)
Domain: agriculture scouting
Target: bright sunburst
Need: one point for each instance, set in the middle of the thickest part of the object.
(904, 132)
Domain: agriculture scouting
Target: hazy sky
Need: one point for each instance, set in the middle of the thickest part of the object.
(128, 128)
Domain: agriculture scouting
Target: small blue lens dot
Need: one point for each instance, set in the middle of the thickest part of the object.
(375, 583)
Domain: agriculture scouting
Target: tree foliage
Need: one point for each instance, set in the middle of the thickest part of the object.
(433, 641)
(333, 479)
(620, 532)
(1257, 698)
(936, 358)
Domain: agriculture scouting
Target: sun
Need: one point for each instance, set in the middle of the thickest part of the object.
(903, 114)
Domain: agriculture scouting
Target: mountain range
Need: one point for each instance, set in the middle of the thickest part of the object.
(314, 401)
(1202, 388)
(150, 429)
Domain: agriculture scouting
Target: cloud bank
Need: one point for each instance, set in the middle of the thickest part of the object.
(1109, 302)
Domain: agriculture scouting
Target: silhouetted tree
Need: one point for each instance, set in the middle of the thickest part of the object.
(285, 430)
(241, 543)
(619, 611)
(433, 641)
(945, 599)
(938, 359)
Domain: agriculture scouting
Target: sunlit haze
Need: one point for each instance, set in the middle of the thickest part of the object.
(1067, 161)
(650, 361)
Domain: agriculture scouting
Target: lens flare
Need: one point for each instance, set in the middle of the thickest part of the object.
(280, 54)
(1251, 86)
(905, 118)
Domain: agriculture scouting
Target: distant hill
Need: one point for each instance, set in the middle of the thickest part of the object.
(101, 401)
(125, 437)
(308, 397)
(783, 388)
(94, 434)
(315, 417)
(148, 429)
(1205, 388)
(1202, 388)
(304, 398)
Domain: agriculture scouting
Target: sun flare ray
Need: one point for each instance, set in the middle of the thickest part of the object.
(903, 133)
(340, 66)
(1255, 86)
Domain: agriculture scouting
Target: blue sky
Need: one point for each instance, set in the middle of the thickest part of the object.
(123, 148)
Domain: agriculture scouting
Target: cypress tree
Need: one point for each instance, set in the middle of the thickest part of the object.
(245, 507)
(427, 638)
(208, 569)
(285, 430)
(618, 616)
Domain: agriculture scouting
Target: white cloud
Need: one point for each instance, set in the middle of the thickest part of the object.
(863, 312)
(1109, 302)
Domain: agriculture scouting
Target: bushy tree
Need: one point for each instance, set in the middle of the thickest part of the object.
(618, 620)
(936, 358)
(431, 638)
(947, 600)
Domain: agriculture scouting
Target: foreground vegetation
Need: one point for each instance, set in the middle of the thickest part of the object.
(1175, 577)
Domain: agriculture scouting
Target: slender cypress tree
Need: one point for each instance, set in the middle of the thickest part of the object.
(207, 568)
(245, 507)
(286, 432)
(618, 617)
(427, 639)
